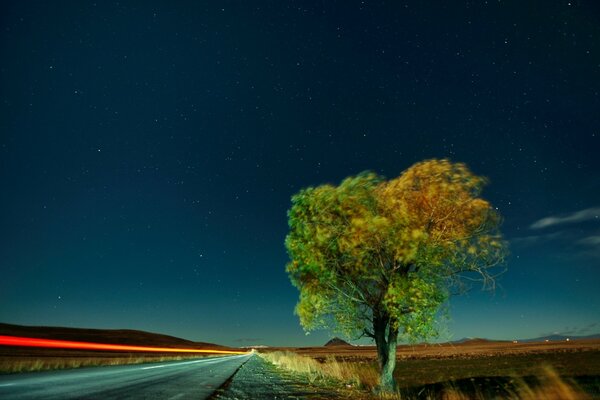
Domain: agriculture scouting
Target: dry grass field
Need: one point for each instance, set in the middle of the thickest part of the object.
(471, 348)
(474, 369)
(14, 364)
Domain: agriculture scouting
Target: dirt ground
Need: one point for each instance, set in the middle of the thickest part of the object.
(478, 364)
(473, 348)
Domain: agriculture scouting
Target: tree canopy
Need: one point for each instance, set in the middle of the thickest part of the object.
(393, 250)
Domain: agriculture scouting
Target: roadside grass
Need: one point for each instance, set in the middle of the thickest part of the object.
(31, 364)
(351, 374)
(525, 377)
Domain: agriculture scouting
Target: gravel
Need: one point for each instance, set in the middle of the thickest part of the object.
(259, 379)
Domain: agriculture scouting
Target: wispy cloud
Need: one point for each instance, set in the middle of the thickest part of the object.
(590, 246)
(578, 216)
(593, 240)
(537, 239)
(575, 330)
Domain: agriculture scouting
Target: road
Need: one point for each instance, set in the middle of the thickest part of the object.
(195, 379)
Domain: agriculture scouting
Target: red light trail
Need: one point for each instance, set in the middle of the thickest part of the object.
(66, 344)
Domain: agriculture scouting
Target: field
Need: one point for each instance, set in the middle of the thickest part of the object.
(65, 360)
(475, 369)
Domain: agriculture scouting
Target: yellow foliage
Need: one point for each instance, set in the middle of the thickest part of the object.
(436, 202)
(368, 239)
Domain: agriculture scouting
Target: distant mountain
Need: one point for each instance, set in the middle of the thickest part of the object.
(109, 336)
(337, 342)
(551, 338)
(559, 338)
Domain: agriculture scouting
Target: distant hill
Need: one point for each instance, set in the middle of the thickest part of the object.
(560, 338)
(109, 336)
(551, 338)
(337, 342)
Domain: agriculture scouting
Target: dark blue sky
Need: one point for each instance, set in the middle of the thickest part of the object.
(148, 152)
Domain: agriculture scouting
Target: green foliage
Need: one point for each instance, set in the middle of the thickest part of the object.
(370, 247)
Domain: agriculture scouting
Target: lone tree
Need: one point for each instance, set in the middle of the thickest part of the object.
(378, 258)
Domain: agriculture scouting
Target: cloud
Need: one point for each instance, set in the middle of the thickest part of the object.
(535, 239)
(578, 216)
(591, 328)
(575, 330)
(590, 246)
(569, 242)
(593, 240)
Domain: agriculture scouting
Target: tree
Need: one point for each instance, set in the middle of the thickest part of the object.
(379, 258)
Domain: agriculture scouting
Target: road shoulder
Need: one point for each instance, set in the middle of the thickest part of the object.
(259, 379)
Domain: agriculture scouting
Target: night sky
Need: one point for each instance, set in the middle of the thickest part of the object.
(149, 150)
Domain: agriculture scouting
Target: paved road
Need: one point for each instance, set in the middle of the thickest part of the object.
(196, 379)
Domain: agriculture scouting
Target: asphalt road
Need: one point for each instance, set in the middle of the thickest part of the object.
(196, 379)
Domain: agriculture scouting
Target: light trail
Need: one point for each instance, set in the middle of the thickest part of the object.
(66, 344)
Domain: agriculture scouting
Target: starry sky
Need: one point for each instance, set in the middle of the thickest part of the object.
(149, 150)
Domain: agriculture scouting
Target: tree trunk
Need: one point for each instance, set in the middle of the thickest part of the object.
(386, 341)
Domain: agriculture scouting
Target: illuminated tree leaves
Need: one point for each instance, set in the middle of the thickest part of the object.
(396, 248)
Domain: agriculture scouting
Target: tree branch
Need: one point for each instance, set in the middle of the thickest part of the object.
(367, 333)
